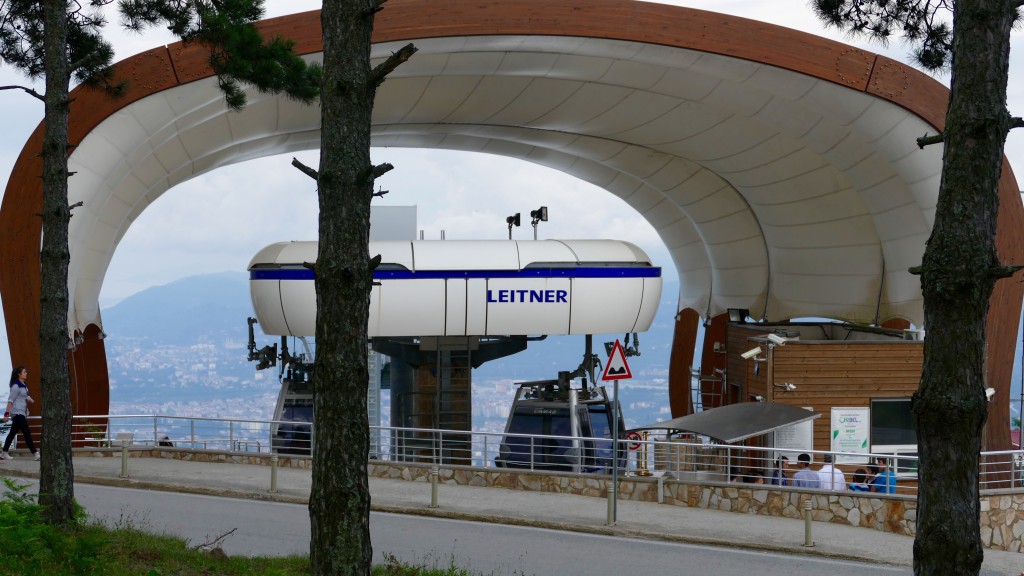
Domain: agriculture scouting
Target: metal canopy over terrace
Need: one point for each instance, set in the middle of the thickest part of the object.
(736, 422)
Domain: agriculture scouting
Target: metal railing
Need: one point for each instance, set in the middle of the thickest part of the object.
(687, 458)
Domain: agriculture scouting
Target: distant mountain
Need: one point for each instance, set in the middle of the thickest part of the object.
(213, 307)
(209, 307)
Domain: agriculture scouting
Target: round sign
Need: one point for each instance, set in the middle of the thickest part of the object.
(634, 440)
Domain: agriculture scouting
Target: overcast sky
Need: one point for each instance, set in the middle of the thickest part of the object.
(467, 195)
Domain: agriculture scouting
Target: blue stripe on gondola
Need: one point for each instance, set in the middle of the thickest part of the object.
(596, 272)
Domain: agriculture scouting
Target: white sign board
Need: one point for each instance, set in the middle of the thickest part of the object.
(792, 440)
(850, 433)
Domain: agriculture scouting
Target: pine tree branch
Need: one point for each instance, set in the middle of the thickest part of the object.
(374, 263)
(75, 205)
(374, 172)
(380, 192)
(1005, 271)
(1017, 121)
(378, 74)
(929, 140)
(306, 169)
(377, 7)
(30, 91)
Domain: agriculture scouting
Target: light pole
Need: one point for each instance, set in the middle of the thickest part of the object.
(538, 215)
(512, 221)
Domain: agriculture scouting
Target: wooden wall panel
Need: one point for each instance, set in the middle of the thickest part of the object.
(845, 374)
(741, 373)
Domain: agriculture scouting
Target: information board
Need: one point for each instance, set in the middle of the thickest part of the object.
(794, 439)
(851, 433)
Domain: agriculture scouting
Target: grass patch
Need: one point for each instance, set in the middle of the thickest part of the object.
(394, 567)
(30, 547)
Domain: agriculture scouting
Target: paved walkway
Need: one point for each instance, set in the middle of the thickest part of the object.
(496, 505)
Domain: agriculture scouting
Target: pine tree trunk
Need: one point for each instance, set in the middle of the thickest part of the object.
(56, 478)
(340, 499)
(959, 271)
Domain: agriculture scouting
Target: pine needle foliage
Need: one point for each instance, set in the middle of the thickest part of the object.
(21, 41)
(925, 24)
(238, 52)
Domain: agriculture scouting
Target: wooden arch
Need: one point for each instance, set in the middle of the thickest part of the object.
(176, 65)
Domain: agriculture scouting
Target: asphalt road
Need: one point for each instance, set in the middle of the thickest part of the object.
(271, 529)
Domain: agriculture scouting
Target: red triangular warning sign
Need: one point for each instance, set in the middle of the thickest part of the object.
(616, 367)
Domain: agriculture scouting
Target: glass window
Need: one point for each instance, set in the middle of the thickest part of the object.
(891, 422)
(523, 423)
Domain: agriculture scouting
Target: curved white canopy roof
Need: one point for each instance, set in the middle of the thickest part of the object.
(773, 191)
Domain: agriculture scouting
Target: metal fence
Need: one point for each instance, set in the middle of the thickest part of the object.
(688, 458)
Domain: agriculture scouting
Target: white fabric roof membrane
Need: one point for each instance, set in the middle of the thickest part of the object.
(773, 191)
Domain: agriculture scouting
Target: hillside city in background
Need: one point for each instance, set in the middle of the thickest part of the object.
(181, 349)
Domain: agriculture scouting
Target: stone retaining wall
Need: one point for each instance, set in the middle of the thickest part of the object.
(1002, 512)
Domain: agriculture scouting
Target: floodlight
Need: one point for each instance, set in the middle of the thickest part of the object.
(787, 386)
(751, 353)
(538, 215)
(989, 393)
(512, 220)
(776, 339)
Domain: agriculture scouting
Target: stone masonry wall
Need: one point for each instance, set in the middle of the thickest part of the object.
(1002, 512)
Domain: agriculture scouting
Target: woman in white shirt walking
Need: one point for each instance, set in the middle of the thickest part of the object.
(17, 410)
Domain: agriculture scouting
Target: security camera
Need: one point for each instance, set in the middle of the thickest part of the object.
(989, 393)
(776, 339)
(751, 353)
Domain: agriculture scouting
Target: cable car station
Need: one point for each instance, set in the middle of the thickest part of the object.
(779, 168)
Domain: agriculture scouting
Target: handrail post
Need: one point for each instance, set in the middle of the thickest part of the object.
(124, 459)
(433, 486)
(192, 426)
(611, 505)
(273, 473)
(808, 541)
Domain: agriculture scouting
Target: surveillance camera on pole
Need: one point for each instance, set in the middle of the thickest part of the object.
(751, 353)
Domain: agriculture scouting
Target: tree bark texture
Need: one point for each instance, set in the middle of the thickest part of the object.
(56, 478)
(959, 272)
(340, 499)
